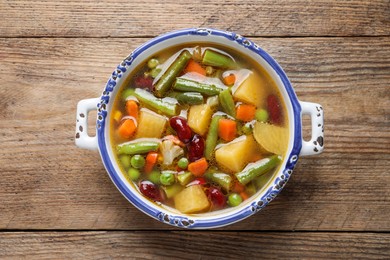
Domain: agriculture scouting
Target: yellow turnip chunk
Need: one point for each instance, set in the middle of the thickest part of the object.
(199, 118)
(252, 90)
(235, 155)
(191, 200)
(150, 124)
(272, 138)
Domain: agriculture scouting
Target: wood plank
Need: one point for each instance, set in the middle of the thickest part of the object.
(194, 245)
(48, 183)
(52, 18)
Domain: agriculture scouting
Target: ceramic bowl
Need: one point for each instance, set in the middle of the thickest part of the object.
(297, 146)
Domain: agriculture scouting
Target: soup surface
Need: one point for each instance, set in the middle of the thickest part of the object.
(199, 128)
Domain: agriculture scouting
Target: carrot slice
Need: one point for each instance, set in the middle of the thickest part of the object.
(193, 66)
(227, 129)
(132, 108)
(238, 187)
(244, 195)
(245, 112)
(151, 160)
(255, 157)
(199, 167)
(230, 79)
(127, 128)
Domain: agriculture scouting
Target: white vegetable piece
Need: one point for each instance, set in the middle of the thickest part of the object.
(170, 151)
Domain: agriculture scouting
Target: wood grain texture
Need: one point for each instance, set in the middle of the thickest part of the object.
(48, 183)
(193, 245)
(50, 18)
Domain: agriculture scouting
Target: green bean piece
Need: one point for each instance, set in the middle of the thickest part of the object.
(154, 177)
(190, 98)
(127, 92)
(167, 178)
(183, 84)
(234, 199)
(137, 147)
(212, 138)
(262, 180)
(137, 161)
(167, 79)
(125, 160)
(216, 59)
(172, 190)
(183, 163)
(185, 178)
(227, 102)
(257, 169)
(222, 179)
(261, 115)
(155, 103)
(133, 174)
(152, 63)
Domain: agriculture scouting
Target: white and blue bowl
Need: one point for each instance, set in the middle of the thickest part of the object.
(295, 109)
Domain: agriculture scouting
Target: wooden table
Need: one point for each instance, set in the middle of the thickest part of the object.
(56, 200)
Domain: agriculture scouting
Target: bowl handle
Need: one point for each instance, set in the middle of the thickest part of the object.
(82, 139)
(316, 143)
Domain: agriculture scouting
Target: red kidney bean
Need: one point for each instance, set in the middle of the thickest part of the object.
(274, 109)
(179, 124)
(216, 196)
(150, 190)
(145, 83)
(195, 148)
(197, 181)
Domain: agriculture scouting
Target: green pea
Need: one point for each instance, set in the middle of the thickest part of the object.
(133, 174)
(183, 163)
(125, 160)
(154, 177)
(154, 72)
(234, 199)
(247, 129)
(261, 115)
(152, 63)
(137, 161)
(167, 178)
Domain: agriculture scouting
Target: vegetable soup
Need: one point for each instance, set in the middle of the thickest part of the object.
(199, 128)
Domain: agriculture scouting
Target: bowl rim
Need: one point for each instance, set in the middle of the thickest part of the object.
(178, 220)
